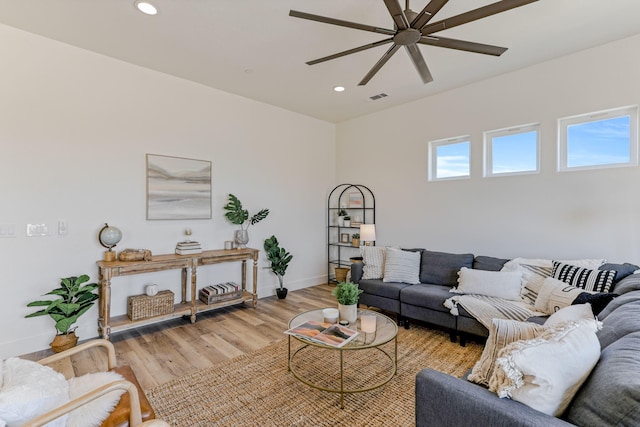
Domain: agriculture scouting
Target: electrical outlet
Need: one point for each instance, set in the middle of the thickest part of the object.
(37, 230)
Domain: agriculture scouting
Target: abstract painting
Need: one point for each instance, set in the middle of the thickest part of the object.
(178, 188)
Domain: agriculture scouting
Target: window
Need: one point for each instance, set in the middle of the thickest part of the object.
(512, 151)
(598, 140)
(449, 158)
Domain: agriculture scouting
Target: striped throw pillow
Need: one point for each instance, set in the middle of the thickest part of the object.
(402, 266)
(584, 278)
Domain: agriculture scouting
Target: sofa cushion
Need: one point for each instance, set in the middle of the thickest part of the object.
(373, 259)
(428, 296)
(441, 268)
(611, 394)
(500, 284)
(580, 277)
(401, 266)
(546, 372)
(379, 288)
(488, 263)
(622, 321)
(501, 333)
(622, 270)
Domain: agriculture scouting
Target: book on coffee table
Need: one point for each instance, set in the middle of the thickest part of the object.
(333, 335)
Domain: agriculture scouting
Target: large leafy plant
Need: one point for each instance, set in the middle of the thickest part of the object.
(236, 214)
(278, 256)
(347, 293)
(74, 300)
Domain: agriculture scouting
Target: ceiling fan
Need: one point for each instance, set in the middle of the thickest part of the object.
(411, 28)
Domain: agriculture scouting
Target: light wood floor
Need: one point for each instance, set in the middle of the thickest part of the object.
(161, 352)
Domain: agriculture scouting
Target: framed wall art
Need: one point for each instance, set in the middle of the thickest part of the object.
(355, 200)
(178, 188)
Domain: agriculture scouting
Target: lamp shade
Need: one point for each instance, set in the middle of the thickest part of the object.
(368, 232)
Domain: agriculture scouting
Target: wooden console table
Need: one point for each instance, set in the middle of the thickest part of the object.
(189, 305)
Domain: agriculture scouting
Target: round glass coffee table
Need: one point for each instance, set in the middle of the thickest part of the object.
(362, 364)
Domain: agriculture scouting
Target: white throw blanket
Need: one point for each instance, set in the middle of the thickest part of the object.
(484, 309)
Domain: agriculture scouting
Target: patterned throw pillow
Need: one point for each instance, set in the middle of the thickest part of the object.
(584, 278)
(373, 260)
(401, 266)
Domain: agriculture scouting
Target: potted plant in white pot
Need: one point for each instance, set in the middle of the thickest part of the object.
(280, 259)
(347, 294)
(74, 300)
(236, 214)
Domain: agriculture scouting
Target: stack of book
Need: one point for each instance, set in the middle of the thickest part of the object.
(187, 248)
(220, 292)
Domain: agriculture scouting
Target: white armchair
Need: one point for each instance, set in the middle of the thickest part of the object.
(133, 408)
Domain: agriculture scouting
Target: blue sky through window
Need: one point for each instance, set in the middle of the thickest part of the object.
(452, 160)
(515, 153)
(600, 142)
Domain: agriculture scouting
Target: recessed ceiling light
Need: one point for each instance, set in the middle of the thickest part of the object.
(339, 88)
(146, 7)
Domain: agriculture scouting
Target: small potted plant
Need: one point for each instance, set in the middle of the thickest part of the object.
(74, 300)
(355, 239)
(280, 259)
(236, 214)
(341, 214)
(347, 221)
(347, 294)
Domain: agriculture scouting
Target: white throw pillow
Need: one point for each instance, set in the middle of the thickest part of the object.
(572, 313)
(401, 266)
(95, 412)
(500, 284)
(546, 372)
(373, 260)
(555, 294)
(29, 390)
(501, 333)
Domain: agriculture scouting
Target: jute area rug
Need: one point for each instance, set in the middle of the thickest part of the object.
(256, 389)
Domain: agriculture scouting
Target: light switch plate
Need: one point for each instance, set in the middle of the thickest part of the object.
(37, 230)
(7, 230)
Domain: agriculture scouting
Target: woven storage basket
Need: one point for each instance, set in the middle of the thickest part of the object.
(145, 306)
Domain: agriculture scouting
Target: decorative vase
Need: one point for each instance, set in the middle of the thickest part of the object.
(348, 312)
(241, 237)
(355, 242)
(64, 342)
(340, 221)
(281, 292)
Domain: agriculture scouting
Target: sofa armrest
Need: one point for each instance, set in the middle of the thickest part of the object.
(356, 271)
(444, 400)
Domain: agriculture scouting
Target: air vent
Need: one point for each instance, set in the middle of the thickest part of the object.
(378, 96)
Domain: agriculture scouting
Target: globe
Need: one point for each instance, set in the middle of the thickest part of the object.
(109, 236)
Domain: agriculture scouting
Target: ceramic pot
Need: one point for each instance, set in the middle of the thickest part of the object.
(241, 237)
(348, 312)
(64, 342)
(281, 292)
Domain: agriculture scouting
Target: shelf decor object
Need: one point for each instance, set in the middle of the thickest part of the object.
(368, 233)
(109, 237)
(353, 201)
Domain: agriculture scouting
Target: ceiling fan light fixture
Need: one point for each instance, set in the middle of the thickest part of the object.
(146, 7)
(338, 89)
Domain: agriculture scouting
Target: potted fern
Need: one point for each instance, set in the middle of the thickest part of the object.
(347, 294)
(280, 259)
(74, 299)
(236, 214)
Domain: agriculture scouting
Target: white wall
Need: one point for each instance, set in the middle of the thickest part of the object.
(547, 215)
(74, 130)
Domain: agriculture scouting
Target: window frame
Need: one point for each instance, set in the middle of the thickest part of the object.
(565, 122)
(488, 137)
(433, 157)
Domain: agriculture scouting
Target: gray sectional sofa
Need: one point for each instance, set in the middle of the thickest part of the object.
(609, 397)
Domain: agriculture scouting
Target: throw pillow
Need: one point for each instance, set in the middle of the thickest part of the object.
(572, 313)
(373, 260)
(401, 266)
(29, 390)
(580, 277)
(597, 301)
(95, 412)
(500, 284)
(501, 333)
(546, 372)
(555, 294)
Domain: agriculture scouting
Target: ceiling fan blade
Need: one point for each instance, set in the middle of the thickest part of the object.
(372, 72)
(418, 61)
(427, 13)
(473, 15)
(340, 22)
(397, 14)
(350, 51)
(486, 49)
